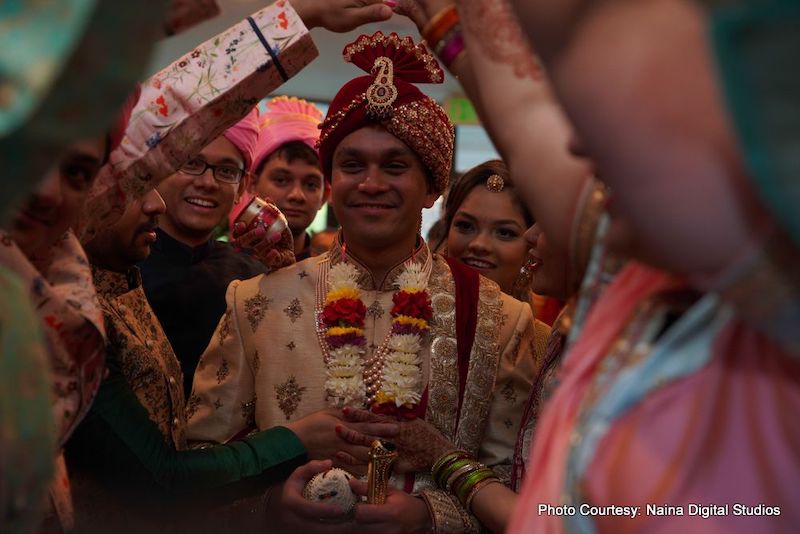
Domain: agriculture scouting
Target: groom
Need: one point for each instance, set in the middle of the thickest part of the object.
(379, 320)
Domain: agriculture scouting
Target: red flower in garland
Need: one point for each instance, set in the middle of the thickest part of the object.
(344, 312)
(416, 304)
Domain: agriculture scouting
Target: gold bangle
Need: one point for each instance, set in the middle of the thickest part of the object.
(480, 485)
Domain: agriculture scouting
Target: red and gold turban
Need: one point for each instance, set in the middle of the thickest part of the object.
(387, 97)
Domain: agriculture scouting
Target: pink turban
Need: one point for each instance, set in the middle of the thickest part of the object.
(244, 135)
(287, 119)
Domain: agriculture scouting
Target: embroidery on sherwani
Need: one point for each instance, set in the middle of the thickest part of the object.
(223, 371)
(225, 327)
(375, 310)
(294, 310)
(302, 274)
(255, 308)
(290, 345)
(256, 362)
(192, 406)
(289, 395)
(218, 404)
(443, 383)
(483, 363)
(514, 347)
(249, 411)
(508, 393)
(146, 358)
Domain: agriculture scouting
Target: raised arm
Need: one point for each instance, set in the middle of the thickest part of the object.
(197, 97)
(503, 78)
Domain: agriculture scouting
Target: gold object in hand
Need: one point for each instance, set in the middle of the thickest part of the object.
(382, 455)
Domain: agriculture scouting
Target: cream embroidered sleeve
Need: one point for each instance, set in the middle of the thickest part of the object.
(223, 395)
(522, 344)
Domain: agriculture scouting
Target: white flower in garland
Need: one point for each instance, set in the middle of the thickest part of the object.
(408, 343)
(342, 276)
(347, 391)
(413, 279)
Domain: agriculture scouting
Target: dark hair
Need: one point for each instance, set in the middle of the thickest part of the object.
(291, 151)
(461, 187)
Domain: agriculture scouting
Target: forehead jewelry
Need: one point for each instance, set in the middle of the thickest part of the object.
(495, 183)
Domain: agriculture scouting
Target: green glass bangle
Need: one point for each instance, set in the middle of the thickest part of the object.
(470, 481)
(445, 473)
(446, 459)
(459, 473)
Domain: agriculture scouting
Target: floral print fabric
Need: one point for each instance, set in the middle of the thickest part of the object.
(61, 291)
(195, 99)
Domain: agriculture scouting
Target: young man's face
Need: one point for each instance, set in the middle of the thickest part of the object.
(127, 242)
(378, 188)
(296, 187)
(57, 202)
(197, 204)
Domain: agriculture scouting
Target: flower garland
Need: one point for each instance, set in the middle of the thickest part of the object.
(343, 320)
(398, 359)
(411, 314)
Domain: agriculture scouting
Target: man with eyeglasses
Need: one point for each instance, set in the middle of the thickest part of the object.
(188, 271)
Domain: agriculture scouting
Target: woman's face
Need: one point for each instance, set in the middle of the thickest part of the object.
(487, 234)
(548, 266)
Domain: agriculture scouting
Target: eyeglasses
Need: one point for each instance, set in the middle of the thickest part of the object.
(229, 174)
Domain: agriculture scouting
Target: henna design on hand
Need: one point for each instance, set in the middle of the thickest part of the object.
(496, 26)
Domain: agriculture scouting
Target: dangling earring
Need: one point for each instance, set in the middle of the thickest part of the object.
(522, 283)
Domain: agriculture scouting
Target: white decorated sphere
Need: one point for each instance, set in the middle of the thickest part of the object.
(331, 486)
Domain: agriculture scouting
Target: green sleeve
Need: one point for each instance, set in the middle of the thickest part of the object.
(121, 428)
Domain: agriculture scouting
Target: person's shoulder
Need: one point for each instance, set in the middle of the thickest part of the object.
(296, 275)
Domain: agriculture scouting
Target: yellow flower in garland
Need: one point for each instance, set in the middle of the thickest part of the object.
(344, 330)
(343, 293)
(422, 324)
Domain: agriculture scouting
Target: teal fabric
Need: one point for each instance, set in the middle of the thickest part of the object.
(35, 39)
(118, 429)
(74, 90)
(757, 45)
(126, 478)
(27, 428)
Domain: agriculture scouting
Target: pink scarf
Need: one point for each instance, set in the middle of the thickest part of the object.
(545, 481)
(723, 434)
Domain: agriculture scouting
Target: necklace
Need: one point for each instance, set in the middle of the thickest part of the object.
(391, 379)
